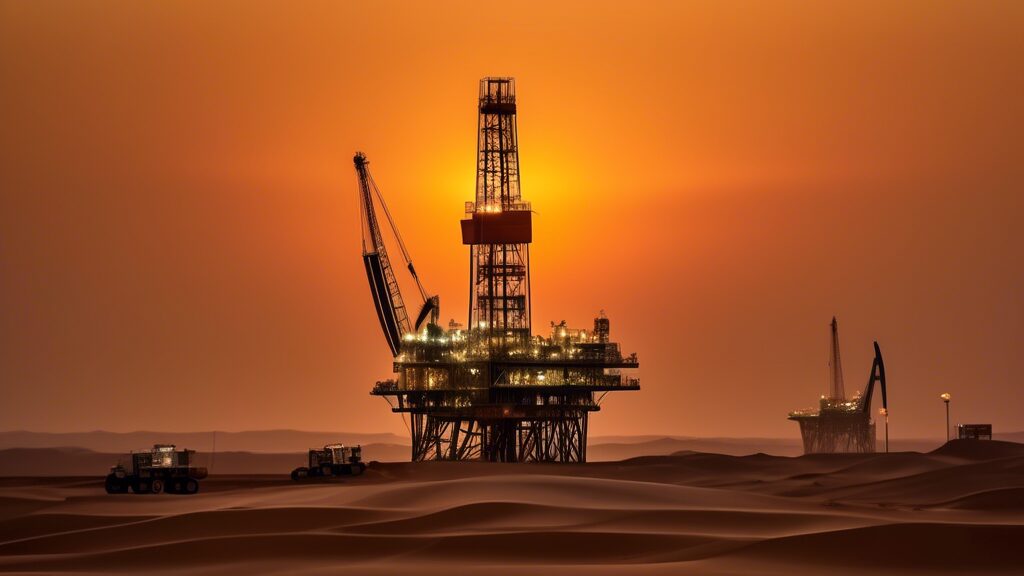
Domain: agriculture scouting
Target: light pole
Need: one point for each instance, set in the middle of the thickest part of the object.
(945, 398)
(885, 412)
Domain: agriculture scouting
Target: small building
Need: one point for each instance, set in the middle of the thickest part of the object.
(974, 431)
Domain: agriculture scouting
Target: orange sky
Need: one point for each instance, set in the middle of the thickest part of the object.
(179, 233)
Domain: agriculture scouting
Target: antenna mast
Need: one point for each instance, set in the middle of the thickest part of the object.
(835, 373)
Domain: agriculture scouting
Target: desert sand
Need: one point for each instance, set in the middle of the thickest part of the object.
(958, 510)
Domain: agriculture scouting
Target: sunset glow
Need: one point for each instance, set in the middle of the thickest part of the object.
(178, 208)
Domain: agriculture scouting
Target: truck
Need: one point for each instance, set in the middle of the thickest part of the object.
(332, 460)
(162, 469)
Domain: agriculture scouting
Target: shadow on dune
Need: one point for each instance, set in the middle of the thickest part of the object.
(955, 510)
(957, 548)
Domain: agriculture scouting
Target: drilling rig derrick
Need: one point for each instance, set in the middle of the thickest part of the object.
(494, 390)
(840, 424)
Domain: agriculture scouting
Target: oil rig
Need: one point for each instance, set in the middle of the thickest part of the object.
(841, 424)
(490, 390)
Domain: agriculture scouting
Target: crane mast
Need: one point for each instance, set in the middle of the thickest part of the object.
(387, 296)
(836, 390)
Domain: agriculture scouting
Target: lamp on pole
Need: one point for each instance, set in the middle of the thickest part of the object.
(885, 412)
(945, 398)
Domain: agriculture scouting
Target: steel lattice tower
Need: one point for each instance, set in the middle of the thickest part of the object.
(498, 228)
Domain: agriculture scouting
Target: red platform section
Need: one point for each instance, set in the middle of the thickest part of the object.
(498, 228)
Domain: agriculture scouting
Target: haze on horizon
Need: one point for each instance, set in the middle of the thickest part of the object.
(179, 228)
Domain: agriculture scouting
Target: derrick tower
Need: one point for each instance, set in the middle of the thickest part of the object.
(498, 227)
(491, 390)
(841, 425)
(836, 391)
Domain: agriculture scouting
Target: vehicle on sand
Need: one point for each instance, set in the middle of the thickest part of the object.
(162, 469)
(331, 460)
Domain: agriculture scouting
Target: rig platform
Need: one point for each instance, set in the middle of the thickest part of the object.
(491, 390)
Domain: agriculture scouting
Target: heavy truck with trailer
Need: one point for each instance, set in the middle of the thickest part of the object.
(162, 469)
(332, 460)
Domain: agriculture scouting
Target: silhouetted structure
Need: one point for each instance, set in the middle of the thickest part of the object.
(162, 469)
(331, 460)
(841, 425)
(492, 391)
(974, 431)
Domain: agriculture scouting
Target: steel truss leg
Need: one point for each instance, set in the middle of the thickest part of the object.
(562, 439)
(824, 436)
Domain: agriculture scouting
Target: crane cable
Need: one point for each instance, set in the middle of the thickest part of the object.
(398, 236)
(388, 400)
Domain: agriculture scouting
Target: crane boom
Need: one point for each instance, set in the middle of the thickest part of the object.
(387, 295)
(877, 375)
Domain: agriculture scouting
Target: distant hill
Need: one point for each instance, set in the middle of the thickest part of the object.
(622, 447)
(295, 441)
(1010, 437)
(279, 451)
(260, 441)
(82, 462)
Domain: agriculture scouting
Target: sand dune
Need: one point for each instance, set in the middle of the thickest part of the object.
(1004, 500)
(899, 548)
(980, 450)
(955, 510)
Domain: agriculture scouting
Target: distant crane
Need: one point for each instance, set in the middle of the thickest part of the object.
(877, 375)
(387, 295)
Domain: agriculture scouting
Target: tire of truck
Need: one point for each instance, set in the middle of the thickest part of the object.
(358, 468)
(115, 485)
(326, 470)
(190, 486)
(173, 486)
(300, 473)
(157, 486)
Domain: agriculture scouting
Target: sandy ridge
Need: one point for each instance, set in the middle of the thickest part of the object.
(955, 509)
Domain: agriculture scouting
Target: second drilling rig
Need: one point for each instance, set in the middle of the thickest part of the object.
(840, 424)
(490, 390)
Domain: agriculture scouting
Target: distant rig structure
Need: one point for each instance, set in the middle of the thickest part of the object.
(491, 390)
(840, 424)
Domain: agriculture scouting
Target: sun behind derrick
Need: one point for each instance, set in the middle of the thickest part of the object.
(490, 390)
